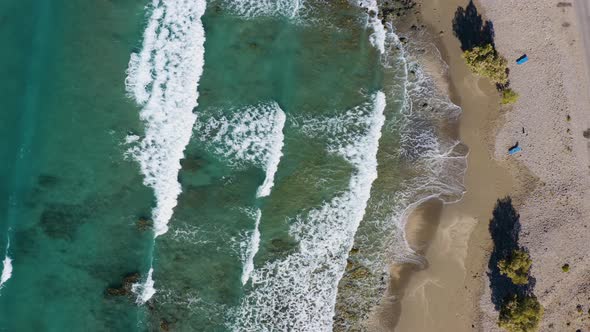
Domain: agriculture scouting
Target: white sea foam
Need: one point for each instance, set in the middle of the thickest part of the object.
(6, 269)
(379, 34)
(163, 78)
(298, 293)
(146, 290)
(253, 134)
(131, 138)
(274, 154)
(435, 162)
(252, 250)
(257, 8)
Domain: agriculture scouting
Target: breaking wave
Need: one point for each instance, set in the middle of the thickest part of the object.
(252, 135)
(257, 8)
(433, 164)
(298, 293)
(6, 268)
(252, 249)
(379, 34)
(163, 78)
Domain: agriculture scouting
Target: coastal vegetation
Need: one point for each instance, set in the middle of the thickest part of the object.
(509, 96)
(516, 267)
(521, 314)
(477, 43)
(509, 273)
(486, 62)
(565, 267)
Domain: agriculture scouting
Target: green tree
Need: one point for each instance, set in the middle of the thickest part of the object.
(486, 62)
(516, 267)
(521, 314)
(509, 96)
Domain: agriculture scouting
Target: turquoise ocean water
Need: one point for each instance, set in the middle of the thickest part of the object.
(270, 147)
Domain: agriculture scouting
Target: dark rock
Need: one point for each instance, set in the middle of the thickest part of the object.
(164, 325)
(116, 292)
(143, 224)
(124, 289)
(194, 163)
(47, 181)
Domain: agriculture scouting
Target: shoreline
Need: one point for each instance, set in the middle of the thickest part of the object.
(453, 238)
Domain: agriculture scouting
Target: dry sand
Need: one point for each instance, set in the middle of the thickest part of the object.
(554, 109)
(549, 179)
(442, 297)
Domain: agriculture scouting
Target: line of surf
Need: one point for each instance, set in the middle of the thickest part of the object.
(249, 135)
(163, 79)
(258, 8)
(271, 166)
(6, 266)
(298, 293)
(377, 38)
(252, 249)
(274, 154)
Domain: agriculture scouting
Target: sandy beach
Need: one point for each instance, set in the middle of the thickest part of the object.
(547, 181)
(553, 109)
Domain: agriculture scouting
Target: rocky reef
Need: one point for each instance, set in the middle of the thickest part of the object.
(125, 287)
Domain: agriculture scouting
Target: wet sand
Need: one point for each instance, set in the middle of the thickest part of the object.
(444, 294)
(548, 181)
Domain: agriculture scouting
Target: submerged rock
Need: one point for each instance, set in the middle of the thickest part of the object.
(62, 221)
(164, 325)
(143, 224)
(124, 289)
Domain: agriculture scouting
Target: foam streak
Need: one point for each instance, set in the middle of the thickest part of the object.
(274, 154)
(252, 250)
(257, 8)
(163, 78)
(298, 293)
(379, 34)
(6, 268)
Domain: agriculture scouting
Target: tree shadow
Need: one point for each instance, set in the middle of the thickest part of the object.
(470, 28)
(504, 229)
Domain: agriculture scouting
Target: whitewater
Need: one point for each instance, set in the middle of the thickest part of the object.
(6, 267)
(294, 283)
(253, 135)
(299, 292)
(163, 78)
